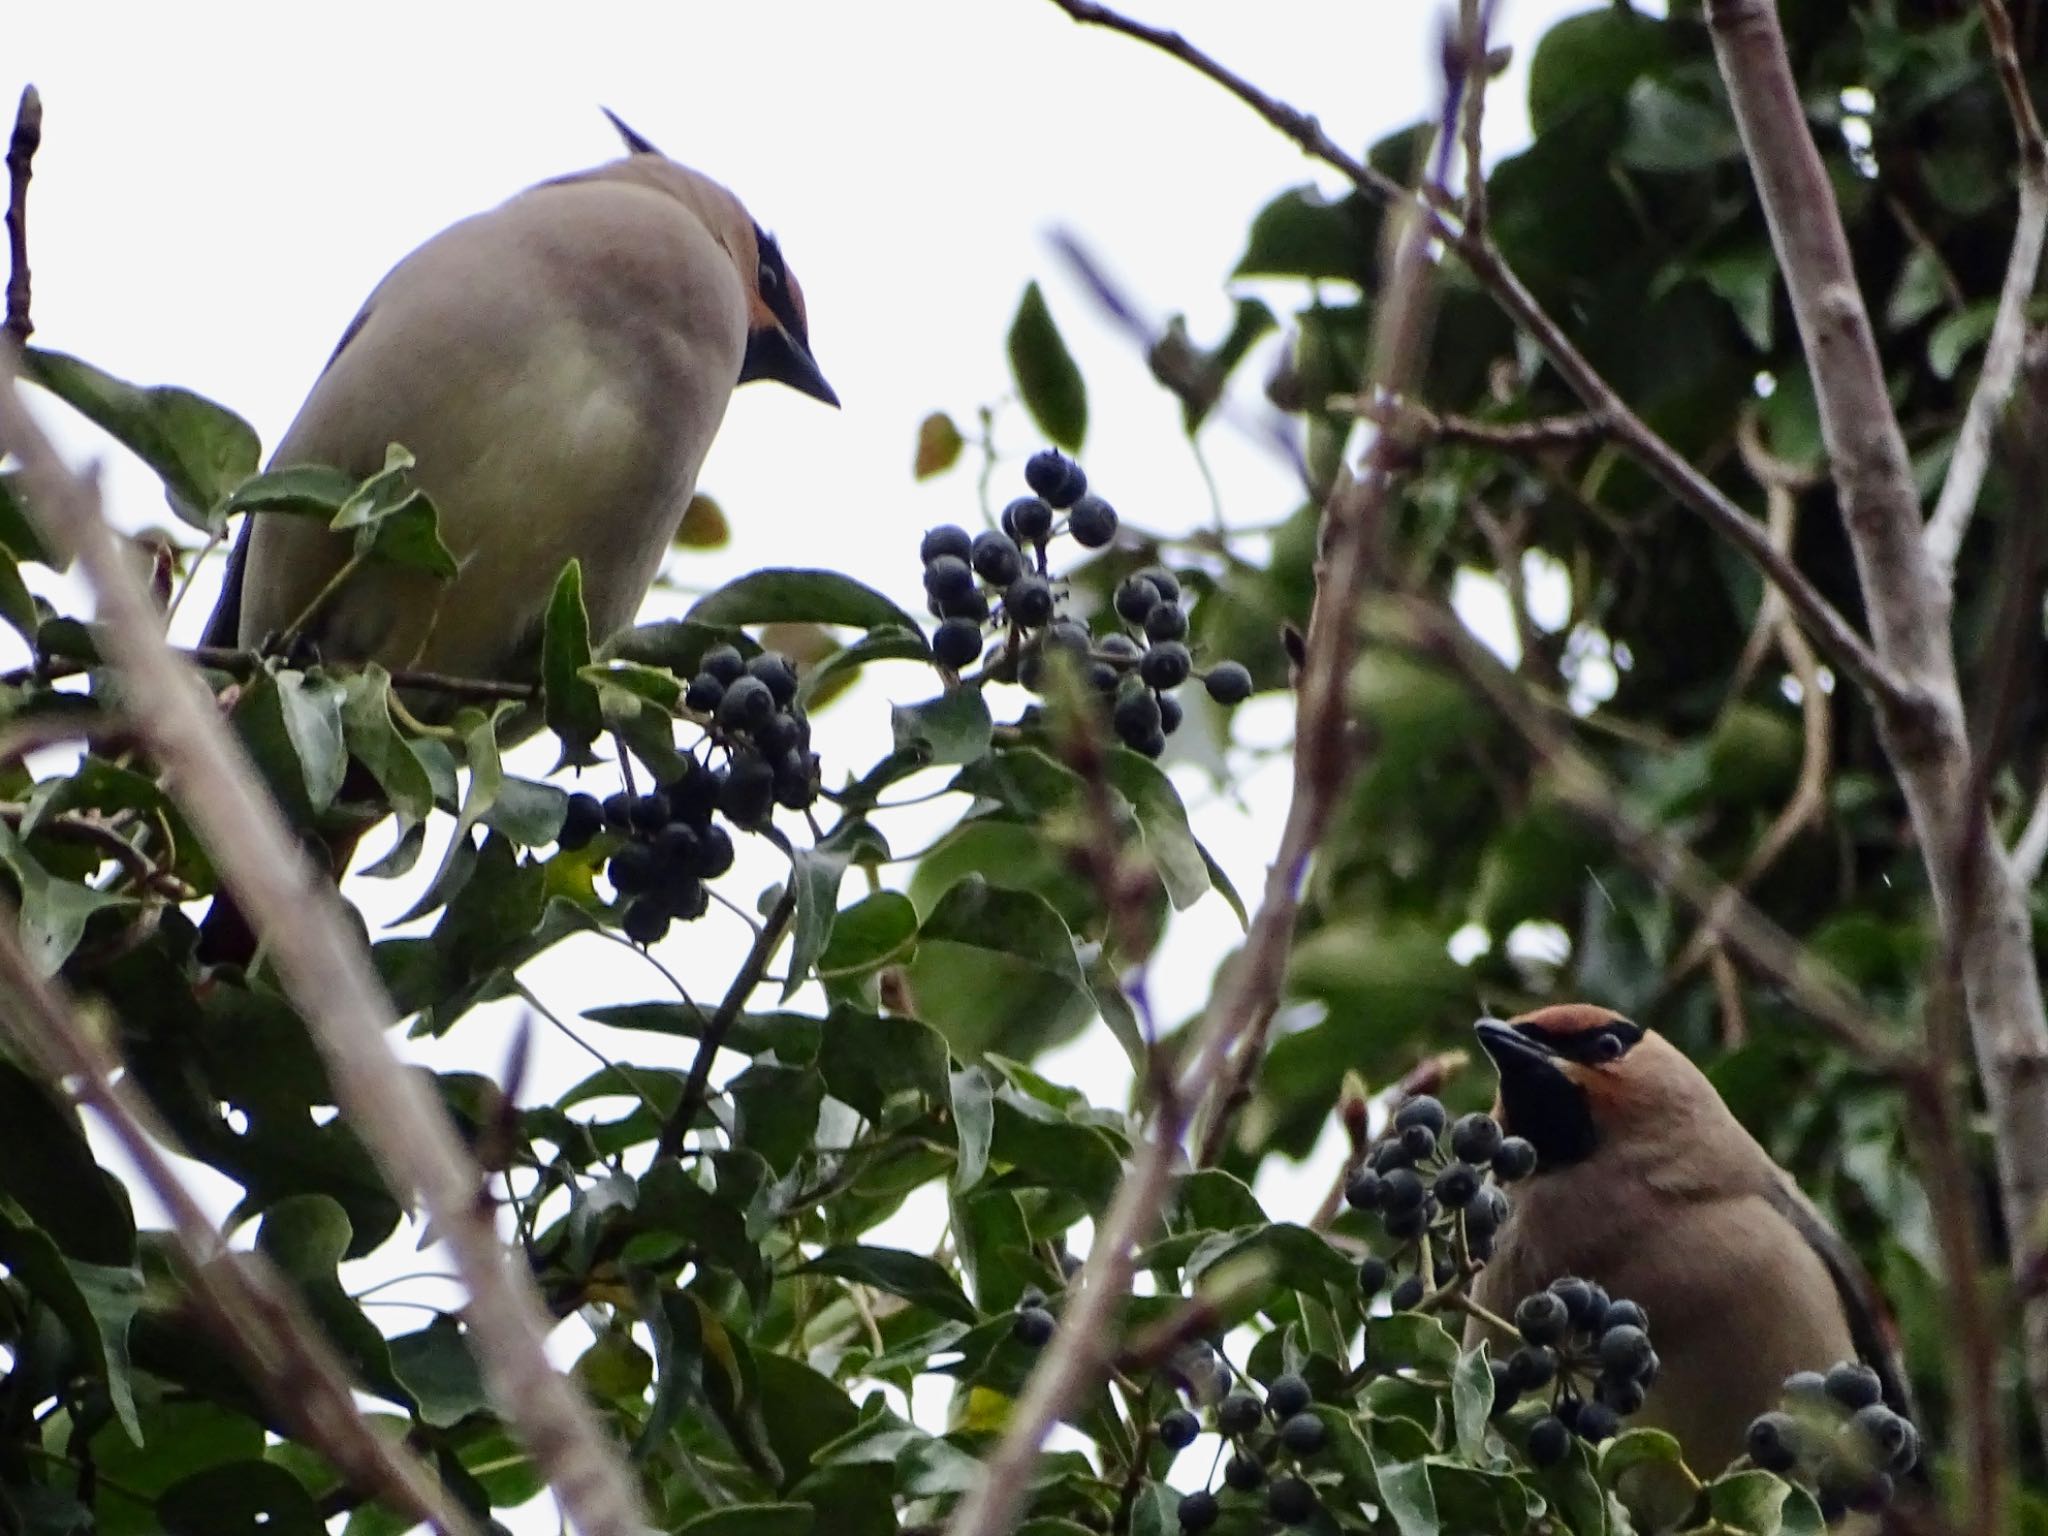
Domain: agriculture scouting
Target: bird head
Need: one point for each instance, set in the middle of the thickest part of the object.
(778, 326)
(1574, 1076)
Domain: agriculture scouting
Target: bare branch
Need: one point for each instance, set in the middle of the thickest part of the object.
(1848, 651)
(246, 1303)
(1981, 907)
(1960, 489)
(21, 154)
(1248, 992)
(326, 972)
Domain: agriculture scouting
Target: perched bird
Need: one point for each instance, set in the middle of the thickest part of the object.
(558, 367)
(1647, 1185)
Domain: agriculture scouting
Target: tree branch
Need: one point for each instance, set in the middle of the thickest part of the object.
(1981, 907)
(1249, 989)
(1964, 482)
(247, 1304)
(744, 980)
(298, 916)
(1845, 649)
(21, 154)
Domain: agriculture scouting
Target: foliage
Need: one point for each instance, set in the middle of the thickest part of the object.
(753, 1342)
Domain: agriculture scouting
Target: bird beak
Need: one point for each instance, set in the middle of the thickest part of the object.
(1513, 1051)
(772, 353)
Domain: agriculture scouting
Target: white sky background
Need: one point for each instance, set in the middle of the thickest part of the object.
(220, 186)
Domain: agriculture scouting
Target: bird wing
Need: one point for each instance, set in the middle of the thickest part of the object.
(1870, 1322)
(224, 625)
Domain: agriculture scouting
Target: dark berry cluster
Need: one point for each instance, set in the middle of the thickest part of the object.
(1836, 1436)
(1004, 577)
(1588, 1355)
(1436, 1188)
(1296, 1435)
(670, 845)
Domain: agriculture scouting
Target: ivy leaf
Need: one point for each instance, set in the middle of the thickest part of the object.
(303, 490)
(201, 451)
(1472, 1404)
(54, 912)
(955, 727)
(1048, 380)
(394, 521)
(910, 1275)
(569, 701)
(815, 874)
(974, 1126)
(786, 595)
(240, 1498)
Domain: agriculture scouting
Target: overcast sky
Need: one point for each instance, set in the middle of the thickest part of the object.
(221, 185)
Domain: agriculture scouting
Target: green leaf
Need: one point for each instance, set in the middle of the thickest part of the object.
(753, 1520)
(909, 1275)
(991, 959)
(1676, 130)
(569, 701)
(1635, 1448)
(291, 725)
(1406, 1494)
(778, 1111)
(867, 1059)
(528, 812)
(1304, 234)
(675, 645)
(885, 642)
(438, 1371)
(815, 874)
(1752, 1502)
(1919, 292)
(1471, 1404)
(938, 446)
(394, 521)
(955, 727)
(306, 490)
(790, 595)
(1183, 869)
(47, 1167)
(180, 1439)
(876, 931)
(974, 1126)
(18, 532)
(201, 451)
(242, 1498)
(1747, 278)
(54, 912)
(95, 1302)
(1589, 59)
(1048, 381)
(1412, 1339)
(486, 779)
(1951, 342)
(17, 603)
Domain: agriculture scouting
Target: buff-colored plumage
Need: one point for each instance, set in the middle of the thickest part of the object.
(1675, 1206)
(558, 366)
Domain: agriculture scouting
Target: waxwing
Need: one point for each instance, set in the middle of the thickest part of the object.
(558, 367)
(1647, 1185)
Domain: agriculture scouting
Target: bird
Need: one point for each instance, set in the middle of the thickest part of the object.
(1648, 1186)
(558, 367)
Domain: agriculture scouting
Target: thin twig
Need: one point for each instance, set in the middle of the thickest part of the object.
(1833, 633)
(1747, 934)
(245, 1302)
(1911, 617)
(243, 664)
(1964, 482)
(1248, 991)
(21, 154)
(326, 971)
(1809, 802)
(744, 980)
